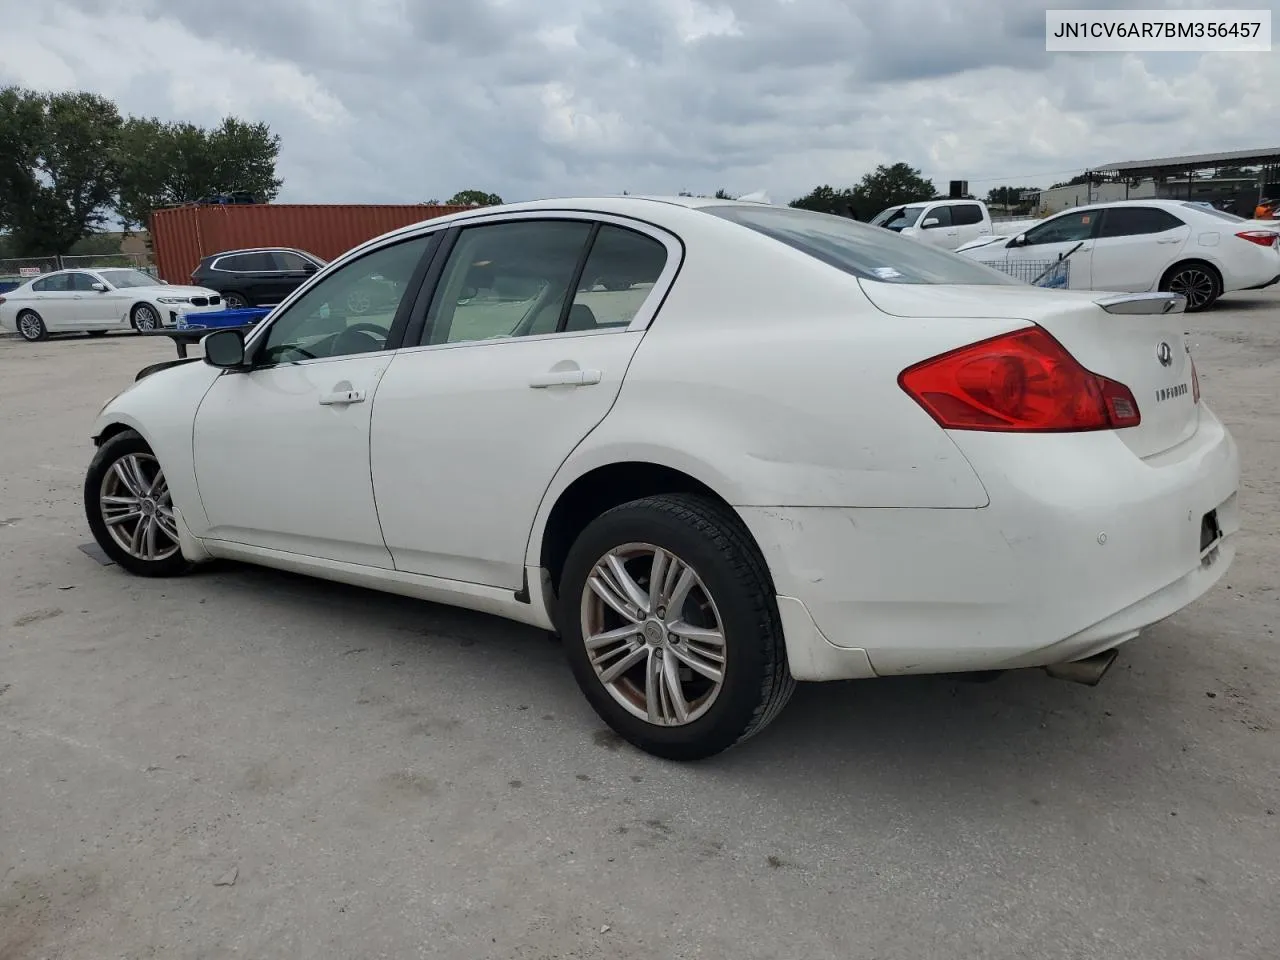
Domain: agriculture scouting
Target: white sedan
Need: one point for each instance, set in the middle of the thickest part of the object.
(1139, 245)
(98, 301)
(717, 446)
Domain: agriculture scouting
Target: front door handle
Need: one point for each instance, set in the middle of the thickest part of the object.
(1170, 240)
(340, 398)
(565, 378)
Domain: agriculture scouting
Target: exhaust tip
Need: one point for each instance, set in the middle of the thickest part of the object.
(1088, 671)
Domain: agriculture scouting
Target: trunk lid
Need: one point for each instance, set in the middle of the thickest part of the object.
(1136, 339)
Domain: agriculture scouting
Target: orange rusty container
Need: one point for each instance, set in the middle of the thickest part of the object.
(181, 236)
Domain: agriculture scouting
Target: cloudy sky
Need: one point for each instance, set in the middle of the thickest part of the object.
(408, 100)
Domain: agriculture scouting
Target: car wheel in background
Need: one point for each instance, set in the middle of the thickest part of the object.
(144, 317)
(670, 624)
(358, 302)
(129, 507)
(1195, 280)
(234, 301)
(31, 327)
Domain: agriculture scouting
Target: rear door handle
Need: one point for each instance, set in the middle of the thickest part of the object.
(565, 378)
(340, 398)
(1170, 240)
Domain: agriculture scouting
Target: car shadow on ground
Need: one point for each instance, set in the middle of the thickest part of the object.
(891, 736)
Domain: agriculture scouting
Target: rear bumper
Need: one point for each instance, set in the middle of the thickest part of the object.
(1082, 546)
(1263, 286)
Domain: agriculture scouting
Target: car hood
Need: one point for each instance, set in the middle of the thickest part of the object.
(170, 290)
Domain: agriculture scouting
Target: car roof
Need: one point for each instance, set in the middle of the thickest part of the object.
(1159, 204)
(231, 253)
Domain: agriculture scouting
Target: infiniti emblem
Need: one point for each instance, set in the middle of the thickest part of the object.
(1164, 353)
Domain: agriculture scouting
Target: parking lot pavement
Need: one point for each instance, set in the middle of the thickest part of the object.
(243, 763)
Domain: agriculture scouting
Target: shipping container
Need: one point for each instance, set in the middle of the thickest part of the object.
(181, 236)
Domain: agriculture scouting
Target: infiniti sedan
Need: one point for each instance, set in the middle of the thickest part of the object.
(717, 446)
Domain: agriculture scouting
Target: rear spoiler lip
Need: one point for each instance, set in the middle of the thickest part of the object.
(1144, 303)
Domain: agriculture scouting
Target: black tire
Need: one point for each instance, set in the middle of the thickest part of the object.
(1196, 280)
(144, 317)
(113, 451)
(235, 301)
(757, 682)
(31, 327)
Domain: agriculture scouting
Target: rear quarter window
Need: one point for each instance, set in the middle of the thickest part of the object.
(965, 214)
(864, 251)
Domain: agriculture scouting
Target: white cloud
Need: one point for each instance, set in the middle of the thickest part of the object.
(399, 100)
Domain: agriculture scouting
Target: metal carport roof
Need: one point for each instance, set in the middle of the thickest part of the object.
(1165, 165)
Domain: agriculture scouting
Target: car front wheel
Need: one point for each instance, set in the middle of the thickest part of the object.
(145, 318)
(670, 624)
(129, 507)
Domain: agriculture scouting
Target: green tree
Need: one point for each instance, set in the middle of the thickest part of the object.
(888, 186)
(723, 194)
(825, 199)
(164, 163)
(57, 167)
(478, 198)
(1008, 196)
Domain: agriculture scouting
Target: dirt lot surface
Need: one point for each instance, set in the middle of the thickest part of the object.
(247, 764)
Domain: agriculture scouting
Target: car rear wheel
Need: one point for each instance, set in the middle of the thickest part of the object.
(234, 301)
(671, 627)
(144, 317)
(1196, 281)
(31, 327)
(129, 507)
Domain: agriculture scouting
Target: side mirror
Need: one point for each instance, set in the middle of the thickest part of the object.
(1019, 241)
(309, 268)
(466, 294)
(930, 222)
(100, 287)
(224, 348)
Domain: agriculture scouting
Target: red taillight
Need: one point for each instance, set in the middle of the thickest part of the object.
(1263, 238)
(1024, 381)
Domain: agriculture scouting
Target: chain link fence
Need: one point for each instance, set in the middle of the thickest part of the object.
(138, 261)
(18, 270)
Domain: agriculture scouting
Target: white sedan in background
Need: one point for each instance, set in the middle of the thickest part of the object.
(1145, 245)
(98, 301)
(718, 446)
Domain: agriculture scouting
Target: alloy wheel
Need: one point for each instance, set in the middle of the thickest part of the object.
(137, 508)
(653, 634)
(144, 318)
(1197, 285)
(29, 326)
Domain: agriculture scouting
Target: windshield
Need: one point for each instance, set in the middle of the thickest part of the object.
(129, 278)
(1213, 211)
(898, 218)
(859, 249)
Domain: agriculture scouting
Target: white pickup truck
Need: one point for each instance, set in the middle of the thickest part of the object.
(942, 223)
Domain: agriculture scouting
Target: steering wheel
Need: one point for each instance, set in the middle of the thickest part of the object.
(370, 331)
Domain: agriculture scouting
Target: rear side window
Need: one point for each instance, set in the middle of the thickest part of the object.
(247, 263)
(864, 251)
(1134, 221)
(966, 214)
(288, 260)
(59, 284)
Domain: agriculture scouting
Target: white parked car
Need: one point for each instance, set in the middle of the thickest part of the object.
(718, 446)
(98, 301)
(943, 223)
(1141, 245)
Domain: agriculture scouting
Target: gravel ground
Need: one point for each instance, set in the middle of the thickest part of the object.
(248, 764)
